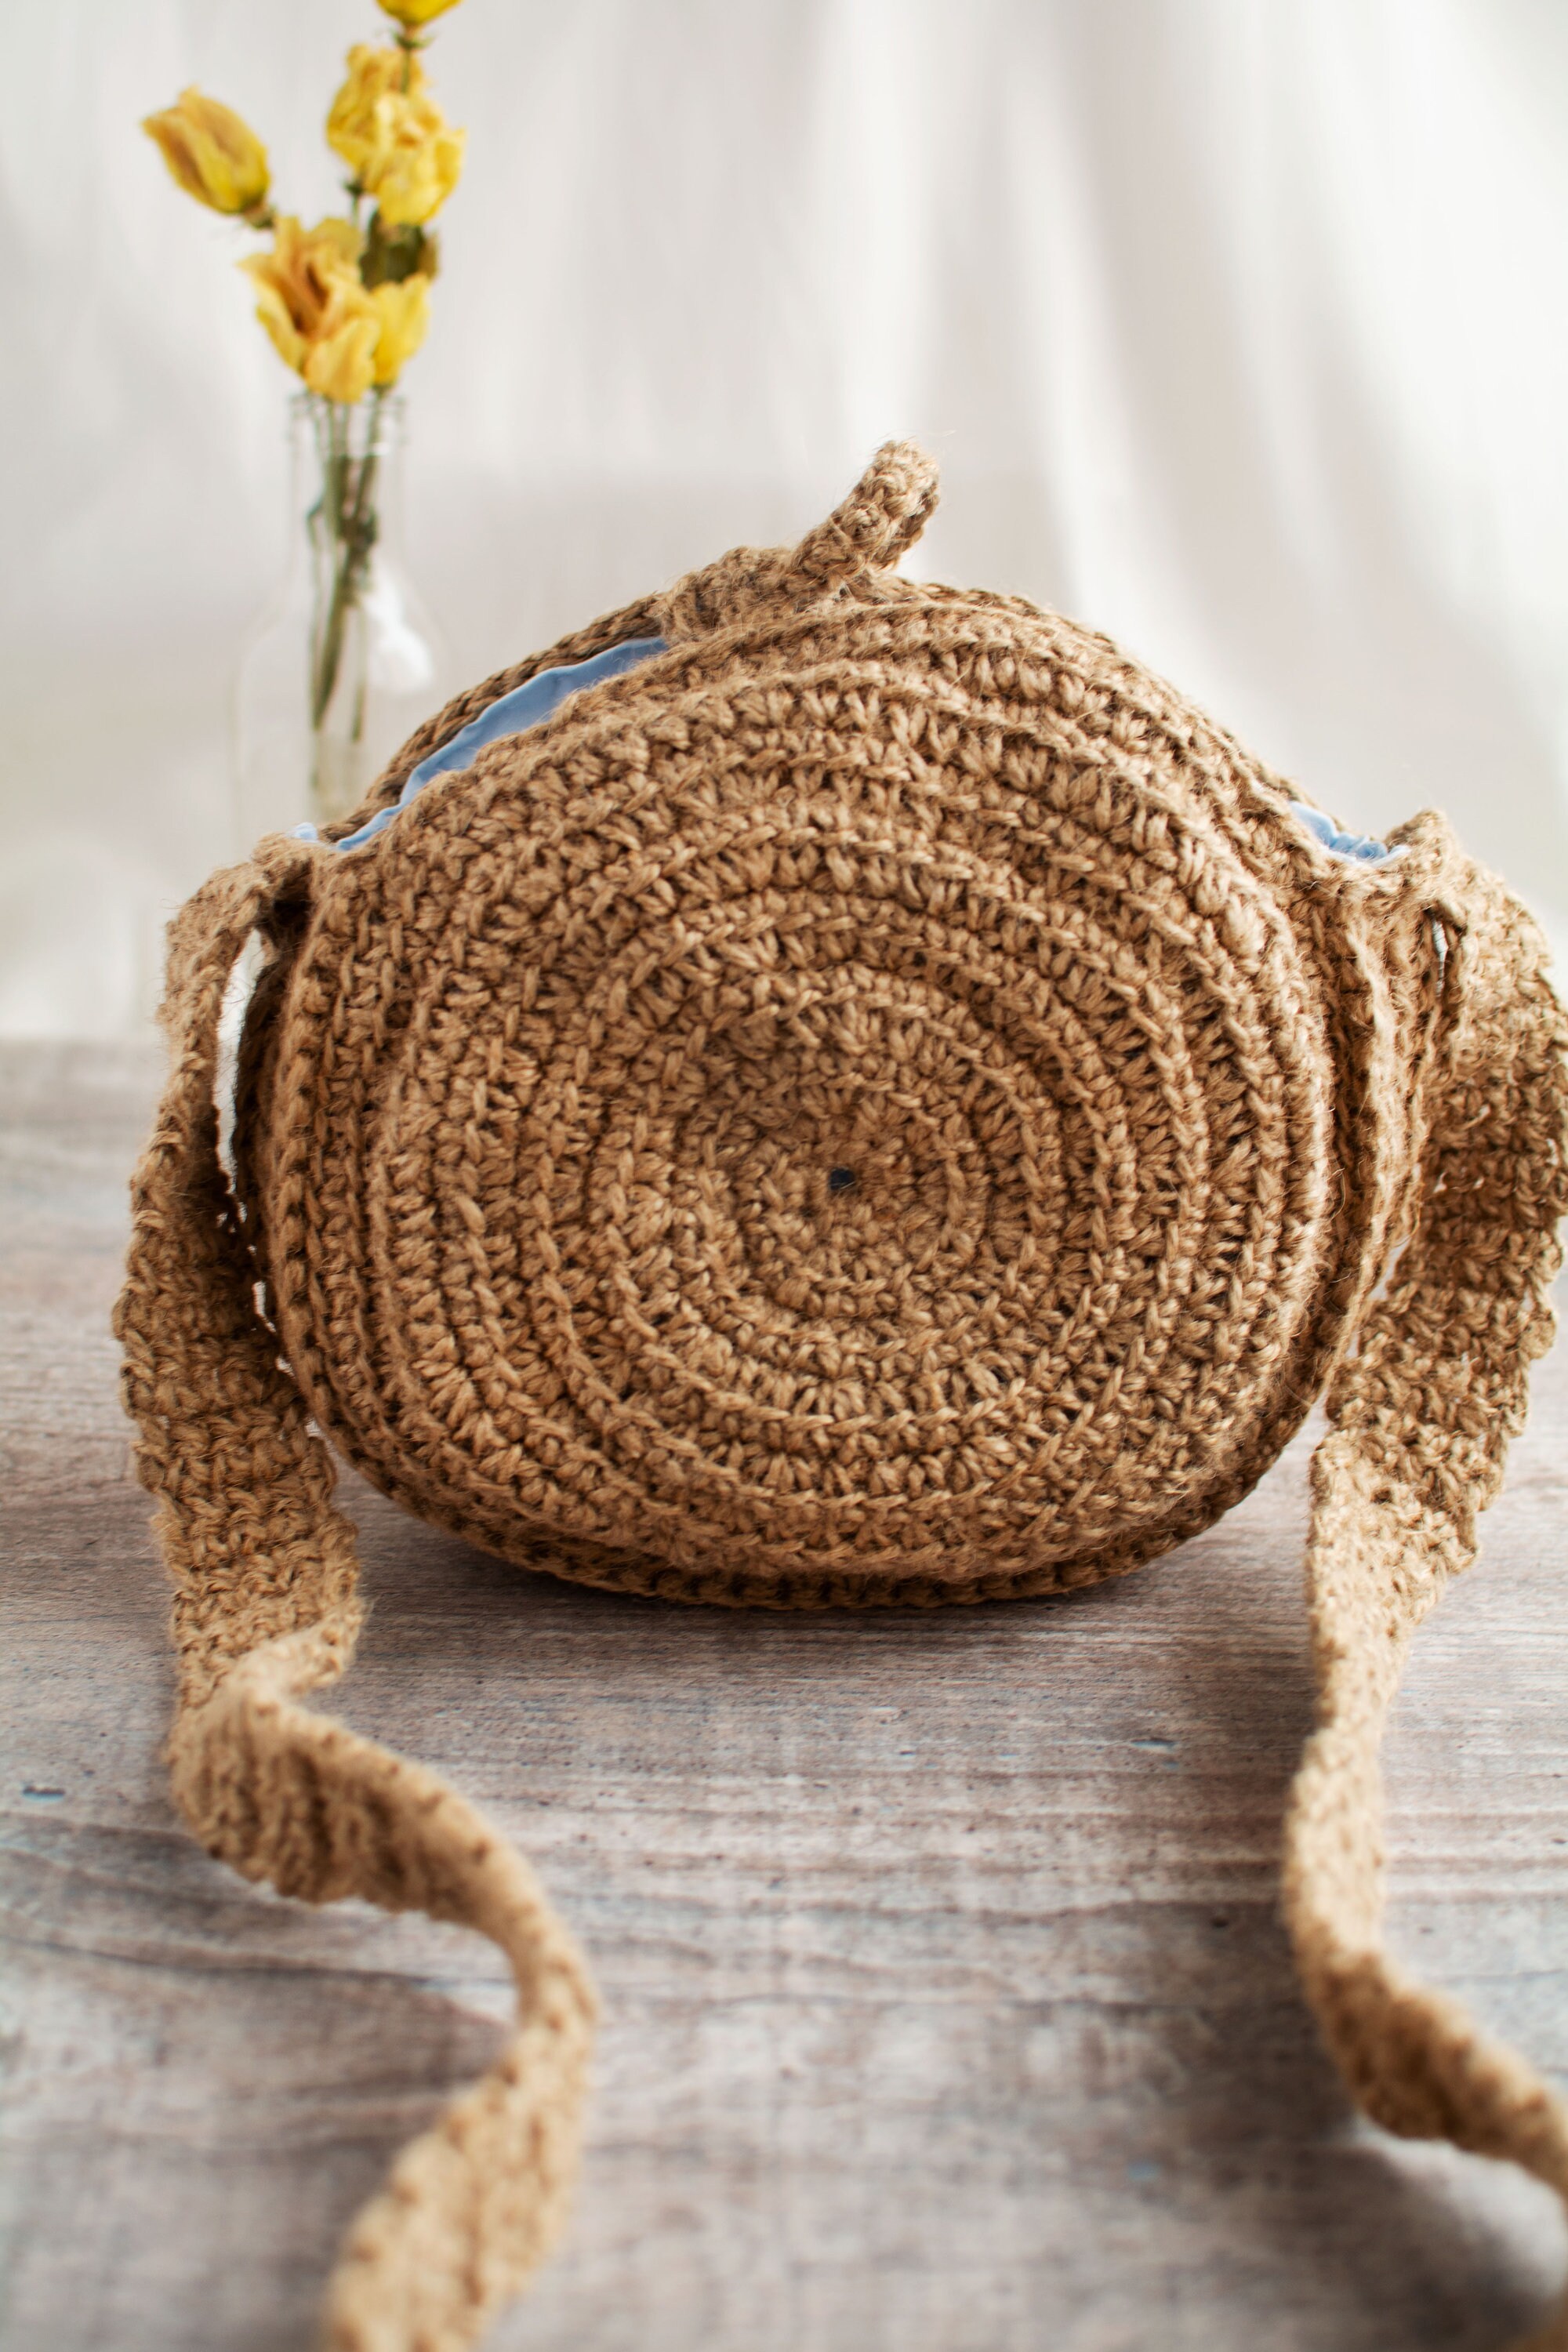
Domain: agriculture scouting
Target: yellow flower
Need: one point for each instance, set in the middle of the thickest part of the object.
(342, 364)
(358, 127)
(312, 304)
(413, 13)
(419, 174)
(211, 153)
(404, 310)
(394, 137)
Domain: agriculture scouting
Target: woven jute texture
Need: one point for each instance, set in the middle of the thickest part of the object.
(883, 1102)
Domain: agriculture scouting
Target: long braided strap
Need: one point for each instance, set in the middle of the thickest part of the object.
(265, 1611)
(1420, 1421)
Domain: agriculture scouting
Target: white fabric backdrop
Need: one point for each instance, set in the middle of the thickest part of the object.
(1237, 325)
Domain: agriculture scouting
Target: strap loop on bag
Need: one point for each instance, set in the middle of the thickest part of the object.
(1419, 1421)
(867, 532)
(265, 1611)
(879, 521)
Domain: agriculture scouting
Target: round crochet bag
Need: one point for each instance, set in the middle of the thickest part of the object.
(826, 1090)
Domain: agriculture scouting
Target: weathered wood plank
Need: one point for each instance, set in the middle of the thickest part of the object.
(947, 2003)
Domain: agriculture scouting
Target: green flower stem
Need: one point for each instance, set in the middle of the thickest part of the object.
(346, 514)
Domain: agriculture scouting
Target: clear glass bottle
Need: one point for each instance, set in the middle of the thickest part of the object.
(345, 662)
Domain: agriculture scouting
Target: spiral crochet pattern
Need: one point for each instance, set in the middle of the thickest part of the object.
(882, 1102)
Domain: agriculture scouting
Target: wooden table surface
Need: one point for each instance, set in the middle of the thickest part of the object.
(947, 2003)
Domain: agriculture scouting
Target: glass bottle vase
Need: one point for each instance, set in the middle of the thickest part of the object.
(345, 662)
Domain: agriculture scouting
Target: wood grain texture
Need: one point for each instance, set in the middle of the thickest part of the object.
(947, 2004)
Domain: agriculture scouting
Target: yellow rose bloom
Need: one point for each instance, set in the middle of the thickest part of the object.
(419, 173)
(413, 13)
(211, 153)
(395, 140)
(359, 126)
(404, 310)
(342, 364)
(323, 322)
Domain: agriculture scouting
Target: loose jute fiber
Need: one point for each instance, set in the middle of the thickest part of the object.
(882, 1101)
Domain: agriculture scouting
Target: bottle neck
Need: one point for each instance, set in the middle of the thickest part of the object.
(347, 466)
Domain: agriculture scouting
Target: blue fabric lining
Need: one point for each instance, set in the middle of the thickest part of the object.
(529, 705)
(541, 696)
(1359, 846)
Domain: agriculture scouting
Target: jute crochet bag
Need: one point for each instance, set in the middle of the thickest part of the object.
(857, 1094)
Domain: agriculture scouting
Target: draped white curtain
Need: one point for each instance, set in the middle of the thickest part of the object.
(1238, 327)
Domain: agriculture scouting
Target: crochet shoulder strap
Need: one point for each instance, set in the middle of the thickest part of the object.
(1420, 1416)
(265, 1606)
(265, 1611)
